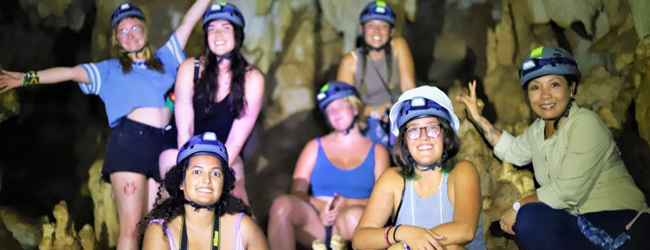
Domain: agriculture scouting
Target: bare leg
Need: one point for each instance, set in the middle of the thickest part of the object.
(166, 161)
(293, 219)
(347, 221)
(152, 192)
(130, 190)
(240, 184)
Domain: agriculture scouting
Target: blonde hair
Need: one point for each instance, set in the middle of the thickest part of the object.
(122, 55)
(358, 104)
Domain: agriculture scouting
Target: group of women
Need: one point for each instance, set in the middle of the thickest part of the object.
(342, 183)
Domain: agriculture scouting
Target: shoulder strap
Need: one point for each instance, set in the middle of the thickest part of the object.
(197, 64)
(354, 55)
(401, 199)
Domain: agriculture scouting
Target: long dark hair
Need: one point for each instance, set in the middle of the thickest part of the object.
(403, 158)
(207, 86)
(125, 60)
(174, 206)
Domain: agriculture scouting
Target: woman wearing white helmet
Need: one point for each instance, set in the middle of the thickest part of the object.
(381, 68)
(433, 199)
(132, 87)
(586, 198)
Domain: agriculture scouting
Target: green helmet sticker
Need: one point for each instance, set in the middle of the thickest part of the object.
(381, 4)
(537, 53)
(223, 3)
(325, 87)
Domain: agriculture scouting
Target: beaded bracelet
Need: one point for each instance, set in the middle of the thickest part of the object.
(30, 78)
(386, 235)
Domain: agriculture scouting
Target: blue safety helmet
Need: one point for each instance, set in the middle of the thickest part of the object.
(204, 144)
(332, 91)
(377, 10)
(548, 60)
(125, 10)
(224, 11)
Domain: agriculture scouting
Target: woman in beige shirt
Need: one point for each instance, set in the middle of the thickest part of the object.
(586, 198)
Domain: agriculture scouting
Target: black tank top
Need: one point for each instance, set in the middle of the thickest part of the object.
(219, 118)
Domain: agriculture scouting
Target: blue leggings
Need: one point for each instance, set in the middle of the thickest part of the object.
(539, 226)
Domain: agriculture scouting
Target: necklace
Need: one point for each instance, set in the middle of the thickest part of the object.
(439, 200)
(215, 234)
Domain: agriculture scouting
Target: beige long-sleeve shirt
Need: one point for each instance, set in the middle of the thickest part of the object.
(579, 168)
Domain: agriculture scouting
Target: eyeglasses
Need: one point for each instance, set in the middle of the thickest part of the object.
(136, 29)
(414, 132)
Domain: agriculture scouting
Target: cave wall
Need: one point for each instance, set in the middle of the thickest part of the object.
(298, 44)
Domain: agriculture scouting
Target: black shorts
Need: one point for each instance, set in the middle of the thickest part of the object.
(135, 147)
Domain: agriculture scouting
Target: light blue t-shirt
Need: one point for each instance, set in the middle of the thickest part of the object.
(142, 87)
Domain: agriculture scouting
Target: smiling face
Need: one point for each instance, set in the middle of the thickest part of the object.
(425, 150)
(549, 95)
(204, 179)
(221, 37)
(130, 34)
(340, 113)
(376, 32)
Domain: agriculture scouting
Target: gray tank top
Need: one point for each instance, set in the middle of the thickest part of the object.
(376, 71)
(432, 211)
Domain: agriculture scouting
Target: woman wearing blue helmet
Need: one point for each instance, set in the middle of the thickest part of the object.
(433, 199)
(219, 91)
(201, 211)
(586, 198)
(132, 88)
(381, 68)
(341, 169)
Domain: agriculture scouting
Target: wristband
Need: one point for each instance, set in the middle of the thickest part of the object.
(30, 78)
(386, 235)
(395, 231)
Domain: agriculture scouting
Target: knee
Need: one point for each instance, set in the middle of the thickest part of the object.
(351, 215)
(530, 217)
(282, 207)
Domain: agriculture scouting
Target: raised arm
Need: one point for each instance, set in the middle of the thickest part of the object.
(189, 20)
(405, 63)
(10, 79)
(347, 69)
(242, 126)
(184, 108)
(491, 134)
(465, 181)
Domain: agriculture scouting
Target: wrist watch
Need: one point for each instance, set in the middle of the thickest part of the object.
(516, 205)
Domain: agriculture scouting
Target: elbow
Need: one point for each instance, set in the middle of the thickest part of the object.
(357, 241)
(466, 233)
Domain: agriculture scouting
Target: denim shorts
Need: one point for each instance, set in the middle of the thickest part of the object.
(135, 147)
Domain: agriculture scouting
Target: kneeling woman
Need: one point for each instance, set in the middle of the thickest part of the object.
(201, 212)
(435, 200)
(341, 169)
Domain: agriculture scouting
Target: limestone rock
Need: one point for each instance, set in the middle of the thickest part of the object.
(598, 89)
(564, 12)
(641, 14)
(60, 235)
(642, 101)
(7, 240)
(25, 230)
(105, 209)
(87, 237)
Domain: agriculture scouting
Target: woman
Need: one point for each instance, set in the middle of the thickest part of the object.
(132, 88)
(434, 199)
(341, 169)
(201, 213)
(381, 68)
(584, 185)
(219, 91)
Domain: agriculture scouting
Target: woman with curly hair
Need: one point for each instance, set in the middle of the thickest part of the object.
(201, 211)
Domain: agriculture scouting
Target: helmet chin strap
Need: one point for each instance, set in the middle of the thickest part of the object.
(222, 57)
(430, 166)
(198, 206)
(564, 114)
(347, 130)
